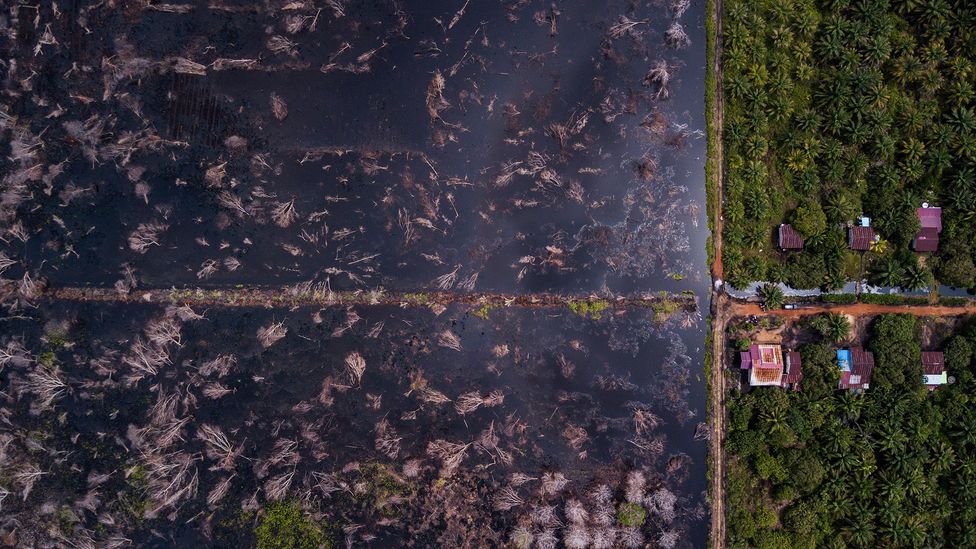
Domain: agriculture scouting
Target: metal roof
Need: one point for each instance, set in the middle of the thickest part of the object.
(794, 369)
(759, 377)
(859, 367)
(860, 238)
(745, 359)
(844, 360)
(927, 240)
(789, 239)
(940, 379)
(933, 362)
(931, 218)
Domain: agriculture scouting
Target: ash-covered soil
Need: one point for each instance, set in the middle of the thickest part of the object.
(503, 146)
(164, 425)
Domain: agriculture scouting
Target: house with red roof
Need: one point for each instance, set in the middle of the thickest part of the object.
(933, 370)
(768, 366)
(789, 238)
(860, 238)
(927, 238)
(856, 366)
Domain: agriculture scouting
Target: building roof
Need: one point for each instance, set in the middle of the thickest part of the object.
(931, 218)
(859, 367)
(794, 369)
(745, 360)
(760, 377)
(933, 380)
(766, 356)
(862, 362)
(767, 365)
(933, 362)
(927, 240)
(860, 238)
(789, 239)
(844, 360)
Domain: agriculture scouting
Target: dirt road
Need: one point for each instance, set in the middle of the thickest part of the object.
(739, 308)
(719, 309)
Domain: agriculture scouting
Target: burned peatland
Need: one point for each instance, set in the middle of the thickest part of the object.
(146, 423)
(504, 146)
(520, 179)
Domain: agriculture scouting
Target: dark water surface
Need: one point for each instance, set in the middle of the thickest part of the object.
(516, 147)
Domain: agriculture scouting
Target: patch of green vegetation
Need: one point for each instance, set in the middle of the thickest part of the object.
(677, 276)
(843, 299)
(58, 340)
(133, 505)
(482, 312)
(711, 128)
(134, 499)
(893, 299)
(381, 486)
(664, 308)
(420, 298)
(48, 360)
(709, 357)
(66, 519)
(234, 528)
(589, 308)
(284, 525)
(631, 515)
(742, 344)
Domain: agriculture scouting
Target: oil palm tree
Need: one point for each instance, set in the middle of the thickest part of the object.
(916, 278)
(837, 327)
(772, 296)
(774, 420)
(887, 272)
(859, 531)
(850, 405)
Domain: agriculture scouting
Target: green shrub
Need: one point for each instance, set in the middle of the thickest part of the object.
(810, 219)
(592, 309)
(631, 514)
(893, 299)
(843, 299)
(285, 526)
(766, 517)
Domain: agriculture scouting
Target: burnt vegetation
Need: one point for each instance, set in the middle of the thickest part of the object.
(153, 148)
(250, 299)
(368, 425)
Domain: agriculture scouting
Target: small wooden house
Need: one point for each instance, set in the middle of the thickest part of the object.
(789, 238)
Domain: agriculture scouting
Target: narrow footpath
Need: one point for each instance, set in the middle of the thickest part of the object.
(719, 311)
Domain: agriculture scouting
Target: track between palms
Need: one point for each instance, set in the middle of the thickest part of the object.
(739, 308)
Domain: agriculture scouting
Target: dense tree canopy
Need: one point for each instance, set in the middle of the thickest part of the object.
(841, 108)
(893, 467)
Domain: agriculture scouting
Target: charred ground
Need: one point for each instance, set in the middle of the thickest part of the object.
(400, 273)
